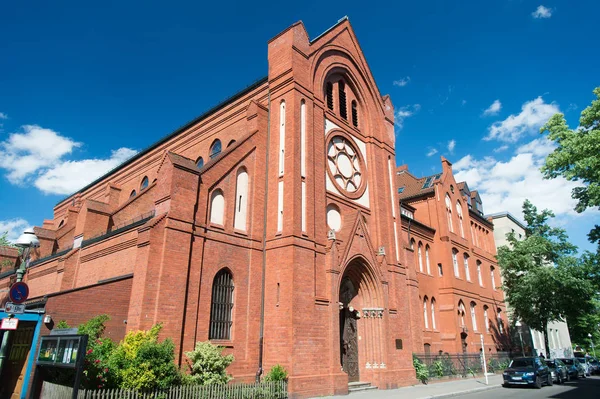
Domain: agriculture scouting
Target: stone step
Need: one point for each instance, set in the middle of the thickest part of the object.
(360, 386)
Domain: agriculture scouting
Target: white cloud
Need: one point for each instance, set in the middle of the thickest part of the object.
(539, 147)
(406, 112)
(14, 227)
(493, 109)
(3, 115)
(533, 115)
(504, 185)
(36, 156)
(542, 12)
(69, 176)
(451, 146)
(402, 82)
(432, 152)
(501, 148)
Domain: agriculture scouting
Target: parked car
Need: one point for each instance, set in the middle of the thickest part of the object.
(575, 368)
(595, 365)
(587, 366)
(527, 371)
(558, 370)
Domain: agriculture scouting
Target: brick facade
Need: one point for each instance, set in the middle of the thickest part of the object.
(322, 245)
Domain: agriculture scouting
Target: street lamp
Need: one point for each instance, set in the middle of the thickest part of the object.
(26, 241)
(592, 342)
(518, 325)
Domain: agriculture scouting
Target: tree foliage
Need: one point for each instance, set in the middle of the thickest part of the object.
(543, 280)
(4, 240)
(577, 157)
(208, 364)
(277, 373)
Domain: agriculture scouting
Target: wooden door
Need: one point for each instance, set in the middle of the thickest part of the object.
(20, 346)
(350, 346)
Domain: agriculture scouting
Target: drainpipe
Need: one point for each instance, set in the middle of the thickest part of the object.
(259, 371)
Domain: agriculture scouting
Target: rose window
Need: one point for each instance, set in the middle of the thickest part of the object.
(345, 165)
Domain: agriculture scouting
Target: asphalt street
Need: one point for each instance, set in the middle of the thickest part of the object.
(580, 389)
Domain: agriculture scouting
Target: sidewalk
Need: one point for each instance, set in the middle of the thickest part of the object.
(432, 390)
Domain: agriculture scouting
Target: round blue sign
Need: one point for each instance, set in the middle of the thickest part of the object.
(18, 292)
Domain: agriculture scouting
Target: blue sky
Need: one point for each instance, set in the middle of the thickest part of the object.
(83, 87)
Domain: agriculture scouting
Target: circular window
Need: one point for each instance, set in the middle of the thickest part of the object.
(345, 165)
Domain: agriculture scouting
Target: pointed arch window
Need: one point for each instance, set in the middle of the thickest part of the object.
(232, 142)
(433, 324)
(479, 277)
(455, 262)
(200, 162)
(221, 306)
(427, 262)
(342, 99)
(460, 219)
(466, 264)
(425, 317)
(486, 318)
(493, 277)
(133, 194)
(473, 316)
(420, 256)
(329, 95)
(215, 148)
(354, 113)
(145, 183)
(449, 212)
(461, 313)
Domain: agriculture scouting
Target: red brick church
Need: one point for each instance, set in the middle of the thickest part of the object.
(272, 225)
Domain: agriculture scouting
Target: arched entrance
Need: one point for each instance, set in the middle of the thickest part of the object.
(361, 321)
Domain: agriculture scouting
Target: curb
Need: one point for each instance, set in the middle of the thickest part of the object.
(460, 393)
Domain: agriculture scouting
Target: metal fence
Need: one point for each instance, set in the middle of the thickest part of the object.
(263, 390)
(461, 364)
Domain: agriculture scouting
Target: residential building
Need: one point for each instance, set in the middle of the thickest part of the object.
(559, 340)
(453, 268)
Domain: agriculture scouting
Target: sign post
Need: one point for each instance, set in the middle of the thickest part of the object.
(14, 308)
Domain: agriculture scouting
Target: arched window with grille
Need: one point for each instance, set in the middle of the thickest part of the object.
(221, 306)
(215, 148)
(145, 183)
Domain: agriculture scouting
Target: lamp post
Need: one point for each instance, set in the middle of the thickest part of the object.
(592, 342)
(518, 325)
(26, 241)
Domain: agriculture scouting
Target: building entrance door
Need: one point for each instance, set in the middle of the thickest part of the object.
(348, 332)
(13, 374)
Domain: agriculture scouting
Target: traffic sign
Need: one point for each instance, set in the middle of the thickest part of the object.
(9, 324)
(14, 308)
(18, 292)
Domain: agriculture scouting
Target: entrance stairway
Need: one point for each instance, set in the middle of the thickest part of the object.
(359, 386)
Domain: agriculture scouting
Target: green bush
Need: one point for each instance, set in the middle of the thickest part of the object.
(277, 373)
(141, 362)
(208, 365)
(437, 369)
(421, 370)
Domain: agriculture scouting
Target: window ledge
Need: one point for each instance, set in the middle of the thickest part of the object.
(222, 342)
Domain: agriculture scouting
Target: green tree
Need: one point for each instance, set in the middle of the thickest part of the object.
(577, 157)
(542, 278)
(4, 240)
(208, 364)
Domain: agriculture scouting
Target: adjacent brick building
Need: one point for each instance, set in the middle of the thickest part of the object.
(272, 225)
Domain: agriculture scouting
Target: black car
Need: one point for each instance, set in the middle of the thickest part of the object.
(531, 371)
(575, 368)
(558, 370)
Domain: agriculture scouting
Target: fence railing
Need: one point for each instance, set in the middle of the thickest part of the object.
(263, 390)
(462, 364)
